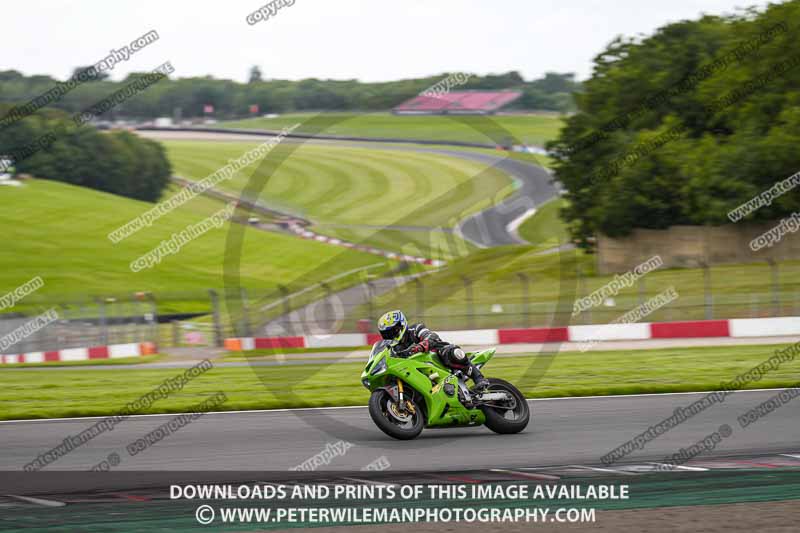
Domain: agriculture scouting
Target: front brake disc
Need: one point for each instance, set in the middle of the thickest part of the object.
(397, 415)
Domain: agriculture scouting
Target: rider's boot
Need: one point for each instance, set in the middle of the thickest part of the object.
(460, 360)
(480, 381)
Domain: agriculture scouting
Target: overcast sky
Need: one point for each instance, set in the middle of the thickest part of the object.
(371, 40)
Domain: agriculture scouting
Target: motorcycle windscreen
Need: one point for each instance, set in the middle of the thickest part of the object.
(377, 348)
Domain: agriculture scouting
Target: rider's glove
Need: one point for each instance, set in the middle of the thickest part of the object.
(423, 346)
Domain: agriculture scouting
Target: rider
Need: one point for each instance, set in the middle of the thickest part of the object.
(408, 340)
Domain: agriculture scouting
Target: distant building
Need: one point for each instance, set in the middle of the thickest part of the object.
(7, 172)
(457, 103)
(6, 167)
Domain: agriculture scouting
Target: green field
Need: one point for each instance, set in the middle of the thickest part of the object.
(63, 393)
(545, 229)
(437, 243)
(532, 129)
(348, 185)
(536, 159)
(268, 353)
(59, 232)
(358, 194)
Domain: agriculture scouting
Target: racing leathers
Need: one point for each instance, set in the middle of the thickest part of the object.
(419, 338)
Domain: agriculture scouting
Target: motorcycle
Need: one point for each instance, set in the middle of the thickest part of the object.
(417, 392)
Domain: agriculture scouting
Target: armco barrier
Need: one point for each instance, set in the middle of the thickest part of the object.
(750, 327)
(113, 351)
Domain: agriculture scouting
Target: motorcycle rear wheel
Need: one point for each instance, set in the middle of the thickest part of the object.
(506, 421)
(384, 412)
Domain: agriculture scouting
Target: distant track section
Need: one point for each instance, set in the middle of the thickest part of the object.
(271, 133)
(487, 228)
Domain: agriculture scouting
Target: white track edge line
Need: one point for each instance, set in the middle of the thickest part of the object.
(38, 501)
(514, 225)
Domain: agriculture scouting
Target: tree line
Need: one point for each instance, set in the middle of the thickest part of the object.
(231, 99)
(683, 126)
(41, 140)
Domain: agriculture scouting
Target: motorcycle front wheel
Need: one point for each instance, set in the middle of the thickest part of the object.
(402, 424)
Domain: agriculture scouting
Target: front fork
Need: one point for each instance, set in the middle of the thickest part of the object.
(404, 405)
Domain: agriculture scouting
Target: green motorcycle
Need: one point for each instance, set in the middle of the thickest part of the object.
(412, 393)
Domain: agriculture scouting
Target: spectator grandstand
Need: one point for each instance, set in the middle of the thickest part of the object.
(457, 102)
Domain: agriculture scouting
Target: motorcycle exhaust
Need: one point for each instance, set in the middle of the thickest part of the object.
(489, 396)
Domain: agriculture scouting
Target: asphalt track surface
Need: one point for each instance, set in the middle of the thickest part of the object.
(569, 431)
(486, 228)
(491, 227)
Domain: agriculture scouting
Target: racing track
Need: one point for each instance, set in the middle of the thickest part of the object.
(485, 229)
(571, 431)
(577, 431)
(490, 227)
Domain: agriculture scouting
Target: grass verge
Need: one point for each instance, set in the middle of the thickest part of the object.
(432, 243)
(265, 352)
(545, 228)
(64, 393)
(529, 128)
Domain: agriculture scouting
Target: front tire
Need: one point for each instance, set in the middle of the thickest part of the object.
(383, 411)
(511, 420)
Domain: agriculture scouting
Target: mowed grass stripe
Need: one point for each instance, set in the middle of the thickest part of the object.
(353, 182)
(328, 196)
(298, 189)
(447, 188)
(370, 184)
(396, 178)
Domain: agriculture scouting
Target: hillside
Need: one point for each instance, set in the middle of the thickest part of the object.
(59, 232)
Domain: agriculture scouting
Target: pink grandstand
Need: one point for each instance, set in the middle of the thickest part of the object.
(457, 102)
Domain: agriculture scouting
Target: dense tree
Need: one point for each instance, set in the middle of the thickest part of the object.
(682, 126)
(49, 145)
(93, 74)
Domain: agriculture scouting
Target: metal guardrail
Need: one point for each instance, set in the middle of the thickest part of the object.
(352, 302)
(270, 133)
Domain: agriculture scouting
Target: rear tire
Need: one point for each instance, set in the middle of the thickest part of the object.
(380, 410)
(497, 419)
